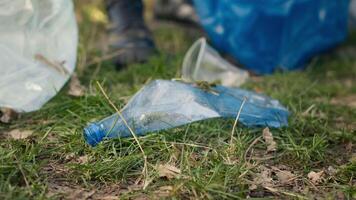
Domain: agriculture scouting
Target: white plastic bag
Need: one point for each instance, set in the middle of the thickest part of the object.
(38, 49)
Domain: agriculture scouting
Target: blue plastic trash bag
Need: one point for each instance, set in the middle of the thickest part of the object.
(270, 35)
(167, 104)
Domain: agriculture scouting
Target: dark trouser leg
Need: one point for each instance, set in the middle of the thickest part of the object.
(176, 10)
(128, 32)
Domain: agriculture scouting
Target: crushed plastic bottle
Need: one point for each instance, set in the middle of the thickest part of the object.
(270, 35)
(38, 49)
(167, 104)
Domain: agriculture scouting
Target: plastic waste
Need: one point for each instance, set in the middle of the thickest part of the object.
(203, 63)
(38, 49)
(271, 35)
(167, 104)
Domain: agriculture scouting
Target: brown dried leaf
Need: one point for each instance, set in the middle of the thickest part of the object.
(7, 115)
(263, 179)
(76, 89)
(284, 176)
(17, 134)
(168, 171)
(331, 171)
(252, 187)
(315, 177)
(349, 147)
(69, 156)
(268, 137)
(81, 194)
(169, 188)
(164, 192)
(349, 101)
(83, 159)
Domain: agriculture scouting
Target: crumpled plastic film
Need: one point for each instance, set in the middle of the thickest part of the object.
(270, 35)
(38, 49)
(167, 104)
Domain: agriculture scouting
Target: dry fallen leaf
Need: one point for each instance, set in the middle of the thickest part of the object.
(64, 190)
(7, 115)
(315, 177)
(166, 188)
(76, 89)
(19, 134)
(349, 147)
(284, 176)
(163, 192)
(252, 187)
(331, 171)
(349, 101)
(268, 137)
(168, 171)
(83, 159)
(263, 179)
(80, 194)
(69, 156)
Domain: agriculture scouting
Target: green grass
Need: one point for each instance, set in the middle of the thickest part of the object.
(48, 163)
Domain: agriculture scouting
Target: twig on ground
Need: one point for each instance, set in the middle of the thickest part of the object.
(58, 66)
(251, 145)
(194, 145)
(290, 194)
(104, 58)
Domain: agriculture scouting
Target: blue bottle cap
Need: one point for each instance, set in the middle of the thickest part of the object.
(93, 134)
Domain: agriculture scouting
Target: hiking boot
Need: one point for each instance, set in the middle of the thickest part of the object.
(128, 34)
(176, 10)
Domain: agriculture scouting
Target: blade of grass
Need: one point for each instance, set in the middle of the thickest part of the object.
(236, 120)
(145, 169)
